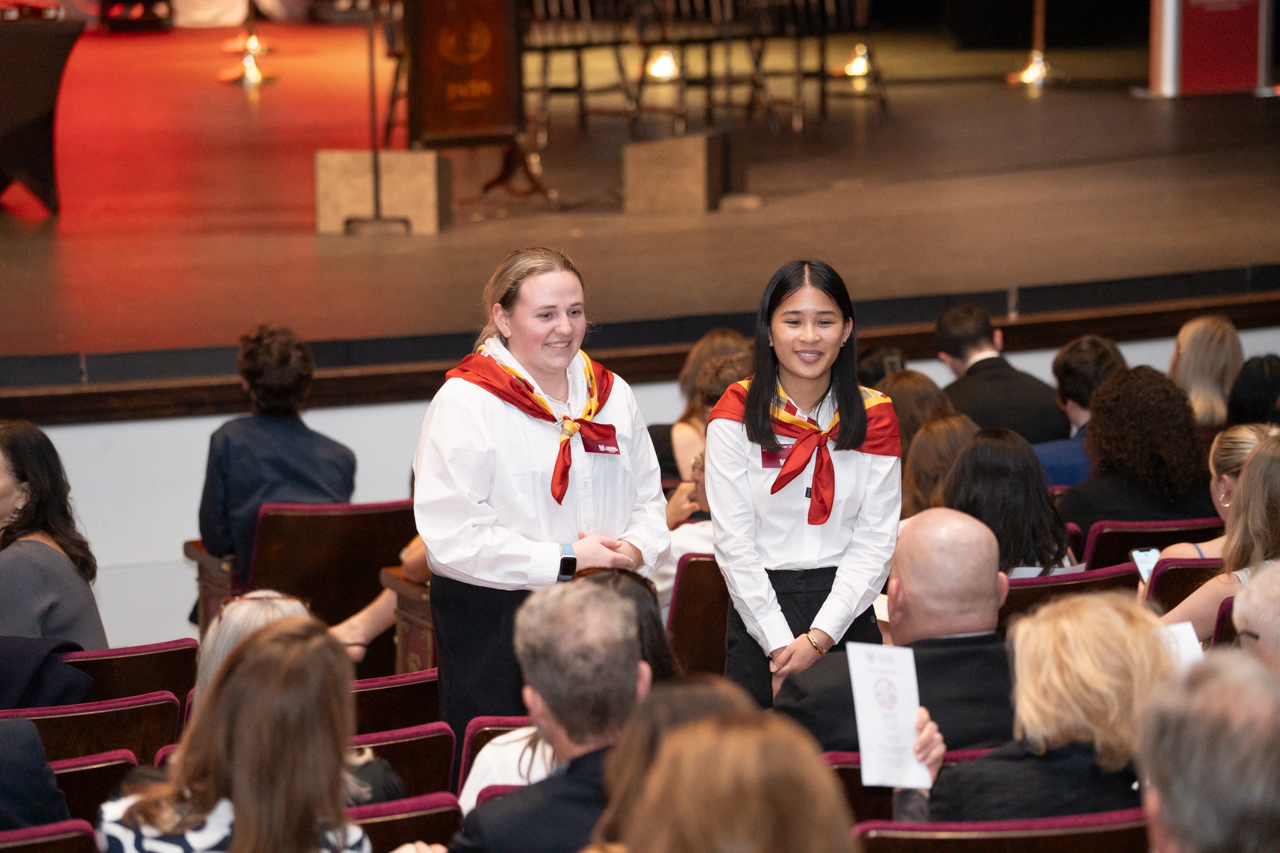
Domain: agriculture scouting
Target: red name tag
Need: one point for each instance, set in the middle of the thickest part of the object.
(775, 460)
(600, 445)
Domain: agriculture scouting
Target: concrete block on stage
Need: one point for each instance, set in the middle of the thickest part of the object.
(685, 174)
(417, 185)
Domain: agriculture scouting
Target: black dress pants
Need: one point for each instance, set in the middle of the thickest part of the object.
(801, 594)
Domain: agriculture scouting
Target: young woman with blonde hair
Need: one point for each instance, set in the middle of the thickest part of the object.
(264, 754)
(1207, 356)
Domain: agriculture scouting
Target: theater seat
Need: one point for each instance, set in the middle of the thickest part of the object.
(396, 701)
(421, 755)
(874, 803)
(1027, 593)
(1224, 629)
(87, 782)
(65, 836)
(1110, 542)
(140, 724)
(1173, 580)
(135, 670)
(480, 731)
(1106, 832)
(699, 614)
(432, 818)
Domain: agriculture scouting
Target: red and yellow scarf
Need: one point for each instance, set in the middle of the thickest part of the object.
(882, 440)
(509, 386)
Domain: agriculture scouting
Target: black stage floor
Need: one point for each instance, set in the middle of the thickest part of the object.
(188, 219)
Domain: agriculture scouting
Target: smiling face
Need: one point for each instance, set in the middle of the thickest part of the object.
(545, 328)
(806, 333)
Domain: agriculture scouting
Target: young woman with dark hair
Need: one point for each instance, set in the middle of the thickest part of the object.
(803, 480)
(45, 564)
(998, 480)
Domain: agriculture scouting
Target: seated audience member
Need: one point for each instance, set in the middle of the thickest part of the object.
(1146, 457)
(689, 433)
(263, 753)
(944, 592)
(29, 794)
(1255, 392)
(729, 784)
(667, 707)
(1209, 753)
(1230, 449)
(361, 628)
(987, 388)
(877, 363)
(521, 756)
(270, 456)
(580, 655)
(1256, 614)
(998, 480)
(1082, 667)
(45, 564)
(1253, 539)
(1207, 356)
(370, 779)
(916, 401)
(1079, 367)
(934, 450)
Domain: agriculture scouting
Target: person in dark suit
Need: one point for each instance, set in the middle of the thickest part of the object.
(29, 794)
(987, 388)
(945, 592)
(270, 456)
(579, 652)
(1080, 366)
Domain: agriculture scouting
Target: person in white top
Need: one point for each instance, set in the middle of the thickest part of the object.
(804, 483)
(533, 462)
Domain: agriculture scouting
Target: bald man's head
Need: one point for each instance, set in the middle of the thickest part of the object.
(946, 578)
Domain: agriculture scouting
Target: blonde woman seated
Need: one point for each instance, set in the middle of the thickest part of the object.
(1082, 667)
(1252, 540)
(1230, 449)
(264, 754)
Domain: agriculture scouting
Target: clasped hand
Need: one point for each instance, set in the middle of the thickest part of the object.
(604, 552)
(796, 656)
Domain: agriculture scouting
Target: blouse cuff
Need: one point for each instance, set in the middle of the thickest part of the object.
(544, 564)
(776, 631)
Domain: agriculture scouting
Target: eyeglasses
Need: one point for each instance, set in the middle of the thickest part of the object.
(1240, 635)
(634, 576)
(258, 596)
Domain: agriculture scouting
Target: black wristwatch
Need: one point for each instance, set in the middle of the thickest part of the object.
(568, 564)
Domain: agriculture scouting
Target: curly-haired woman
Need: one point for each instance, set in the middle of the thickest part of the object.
(1143, 444)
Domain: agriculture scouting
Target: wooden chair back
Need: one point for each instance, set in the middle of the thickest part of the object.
(876, 803)
(421, 755)
(135, 670)
(699, 614)
(1107, 832)
(479, 732)
(1027, 593)
(432, 818)
(396, 701)
(87, 782)
(140, 724)
(332, 555)
(65, 836)
(1110, 542)
(1173, 580)
(1224, 629)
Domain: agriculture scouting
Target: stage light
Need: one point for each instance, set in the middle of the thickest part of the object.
(858, 66)
(663, 65)
(1035, 72)
(252, 76)
(252, 45)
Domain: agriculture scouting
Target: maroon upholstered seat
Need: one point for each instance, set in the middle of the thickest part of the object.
(479, 732)
(876, 803)
(1173, 580)
(488, 792)
(396, 701)
(87, 781)
(140, 724)
(65, 836)
(1110, 542)
(699, 614)
(1106, 832)
(432, 818)
(1026, 593)
(422, 755)
(1224, 629)
(135, 670)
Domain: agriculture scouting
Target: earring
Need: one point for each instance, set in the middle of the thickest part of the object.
(18, 508)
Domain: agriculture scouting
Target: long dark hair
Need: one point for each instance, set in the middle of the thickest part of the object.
(998, 480)
(655, 648)
(844, 372)
(33, 461)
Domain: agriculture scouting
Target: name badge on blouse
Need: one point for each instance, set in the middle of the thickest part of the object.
(601, 445)
(775, 460)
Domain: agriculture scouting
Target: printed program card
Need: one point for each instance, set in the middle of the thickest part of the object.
(886, 699)
(1184, 645)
